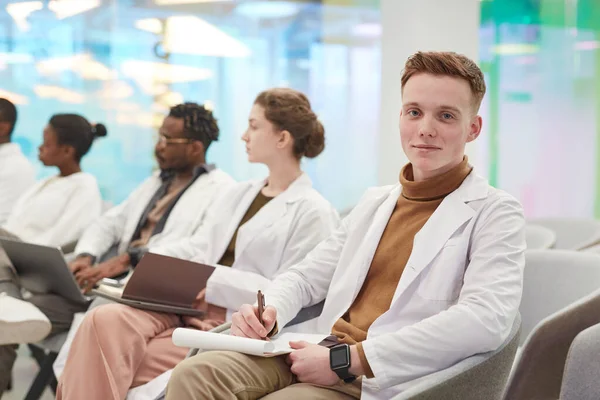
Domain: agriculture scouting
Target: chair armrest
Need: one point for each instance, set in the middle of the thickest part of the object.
(431, 381)
(481, 376)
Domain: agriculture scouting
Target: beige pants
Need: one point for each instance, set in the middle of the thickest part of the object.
(118, 347)
(223, 375)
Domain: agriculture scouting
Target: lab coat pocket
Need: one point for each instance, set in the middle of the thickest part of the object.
(442, 279)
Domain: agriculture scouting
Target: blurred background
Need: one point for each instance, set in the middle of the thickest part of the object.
(124, 62)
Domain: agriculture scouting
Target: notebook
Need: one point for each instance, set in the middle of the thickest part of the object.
(192, 338)
(163, 284)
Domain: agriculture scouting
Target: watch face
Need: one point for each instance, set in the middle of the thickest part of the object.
(339, 357)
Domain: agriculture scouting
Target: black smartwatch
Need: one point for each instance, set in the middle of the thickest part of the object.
(339, 361)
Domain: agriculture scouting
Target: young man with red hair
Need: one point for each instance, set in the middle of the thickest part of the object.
(419, 276)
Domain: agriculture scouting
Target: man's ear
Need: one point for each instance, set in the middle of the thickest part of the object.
(475, 128)
(198, 149)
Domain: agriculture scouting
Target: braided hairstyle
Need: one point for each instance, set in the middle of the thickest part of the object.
(198, 122)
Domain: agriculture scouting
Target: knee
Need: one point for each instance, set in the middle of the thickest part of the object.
(194, 371)
(188, 368)
(106, 316)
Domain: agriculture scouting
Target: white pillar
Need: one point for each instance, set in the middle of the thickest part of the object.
(410, 26)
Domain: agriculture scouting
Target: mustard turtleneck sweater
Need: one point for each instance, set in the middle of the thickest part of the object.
(415, 205)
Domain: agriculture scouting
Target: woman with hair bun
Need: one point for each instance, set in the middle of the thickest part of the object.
(56, 210)
(253, 232)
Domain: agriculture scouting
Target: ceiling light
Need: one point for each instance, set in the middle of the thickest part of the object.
(59, 93)
(16, 58)
(152, 25)
(68, 8)
(515, 49)
(18, 99)
(82, 64)
(192, 35)
(174, 2)
(370, 30)
(142, 119)
(20, 11)
(153, 77)
(114, 90)
(268, 9)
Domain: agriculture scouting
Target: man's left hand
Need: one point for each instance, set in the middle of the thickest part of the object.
(310, 363)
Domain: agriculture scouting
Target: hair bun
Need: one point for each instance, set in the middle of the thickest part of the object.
(99, 130)
(315, 142)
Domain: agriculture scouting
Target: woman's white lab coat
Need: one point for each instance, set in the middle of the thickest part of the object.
(117, 225)
(280, 235)
(458, 296)
(56, 210)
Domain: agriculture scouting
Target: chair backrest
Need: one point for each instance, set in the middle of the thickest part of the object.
(307, 313)
(552, 280)
(571, 233)
(582, 369)
(482, 376)
(539, 370)
(539, 237)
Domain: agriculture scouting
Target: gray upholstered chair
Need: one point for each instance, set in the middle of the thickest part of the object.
(582, 369)
(538, 372)
(482, 376)
(571, 233)
(539, 237)
(552, 280)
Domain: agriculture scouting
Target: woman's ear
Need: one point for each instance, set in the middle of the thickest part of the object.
(68, 151)
(285, 138)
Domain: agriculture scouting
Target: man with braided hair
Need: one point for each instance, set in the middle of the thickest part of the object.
(168, 206)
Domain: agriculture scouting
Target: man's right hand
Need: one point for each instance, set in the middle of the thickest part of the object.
(79, 264)
(245, 322)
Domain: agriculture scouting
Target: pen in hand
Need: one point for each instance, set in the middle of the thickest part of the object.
(261, 307)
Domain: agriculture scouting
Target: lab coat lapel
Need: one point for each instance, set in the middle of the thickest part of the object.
(365, 237)
(271, 212)
(450, 215)
(239, 210)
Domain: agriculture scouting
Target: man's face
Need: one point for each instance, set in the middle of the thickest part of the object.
(171, 155)
(436, 121)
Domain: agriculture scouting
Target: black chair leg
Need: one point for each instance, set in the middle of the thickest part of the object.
(43, 378)
(54, 384)
(9, 387)
(38, 354)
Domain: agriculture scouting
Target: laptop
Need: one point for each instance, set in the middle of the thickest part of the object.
(43, 269)
(163, 284)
